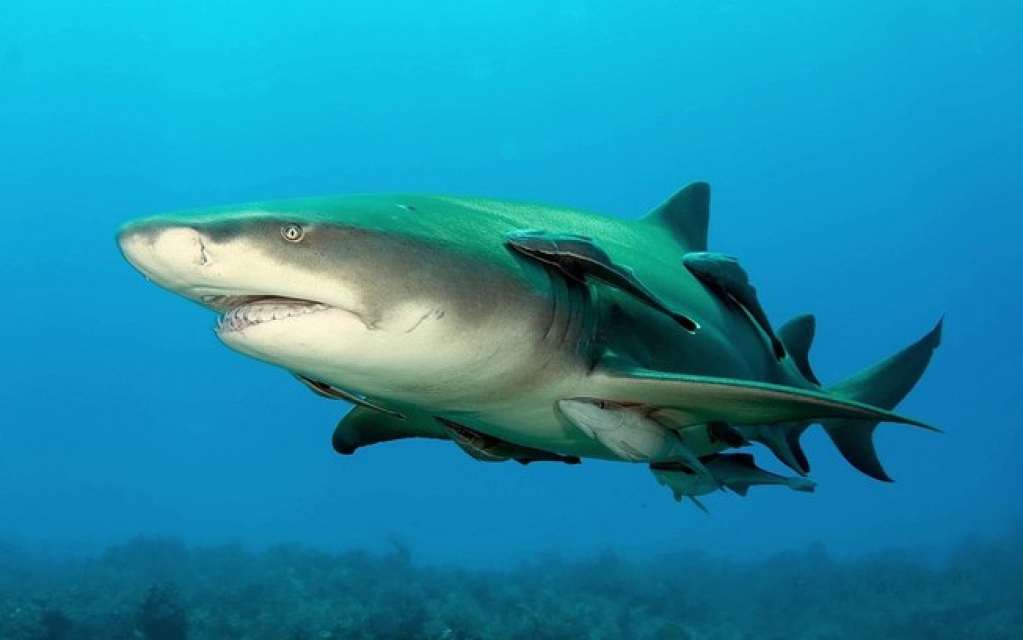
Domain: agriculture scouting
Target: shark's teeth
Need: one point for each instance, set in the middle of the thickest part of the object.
(257, 312)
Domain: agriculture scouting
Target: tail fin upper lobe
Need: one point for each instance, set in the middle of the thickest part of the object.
(884, 385)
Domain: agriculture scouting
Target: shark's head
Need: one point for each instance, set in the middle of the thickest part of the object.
(344, 290)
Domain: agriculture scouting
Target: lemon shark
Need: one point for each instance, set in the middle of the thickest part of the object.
(524, 332)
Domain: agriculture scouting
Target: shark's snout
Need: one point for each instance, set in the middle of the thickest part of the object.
(166, 254)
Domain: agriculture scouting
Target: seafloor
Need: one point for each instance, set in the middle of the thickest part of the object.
(165, 590)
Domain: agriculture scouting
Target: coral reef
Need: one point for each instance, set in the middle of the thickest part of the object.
(155, 589)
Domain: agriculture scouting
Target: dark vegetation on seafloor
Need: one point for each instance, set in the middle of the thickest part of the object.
(152, 589)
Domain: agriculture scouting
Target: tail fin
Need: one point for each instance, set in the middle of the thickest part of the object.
(884, 385)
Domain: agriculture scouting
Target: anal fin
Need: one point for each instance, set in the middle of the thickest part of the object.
(783, 441)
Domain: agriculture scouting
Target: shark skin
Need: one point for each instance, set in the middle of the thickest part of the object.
(418, 309)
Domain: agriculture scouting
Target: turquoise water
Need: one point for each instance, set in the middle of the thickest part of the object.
(864, 159)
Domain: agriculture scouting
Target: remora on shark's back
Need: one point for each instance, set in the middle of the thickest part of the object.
(525, 332)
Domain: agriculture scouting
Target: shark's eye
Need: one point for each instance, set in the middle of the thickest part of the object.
(292, 233)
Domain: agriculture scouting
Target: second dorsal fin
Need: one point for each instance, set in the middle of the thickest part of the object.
(797, 335)
(685, 215)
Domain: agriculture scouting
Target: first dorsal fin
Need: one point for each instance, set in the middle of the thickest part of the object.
(686, 216)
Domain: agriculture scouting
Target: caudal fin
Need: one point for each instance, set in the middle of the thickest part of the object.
(884, 385)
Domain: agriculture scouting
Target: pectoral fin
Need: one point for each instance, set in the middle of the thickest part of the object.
(363, 426)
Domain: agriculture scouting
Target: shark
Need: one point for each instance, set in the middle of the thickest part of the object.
(526, 332)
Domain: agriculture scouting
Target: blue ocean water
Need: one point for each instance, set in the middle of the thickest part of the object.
(865, 161)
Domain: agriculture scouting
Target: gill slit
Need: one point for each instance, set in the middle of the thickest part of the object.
(573, 314)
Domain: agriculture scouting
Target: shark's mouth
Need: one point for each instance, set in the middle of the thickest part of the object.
(243, 312)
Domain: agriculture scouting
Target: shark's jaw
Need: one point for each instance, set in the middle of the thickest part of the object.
(242, 312)
(292, 333)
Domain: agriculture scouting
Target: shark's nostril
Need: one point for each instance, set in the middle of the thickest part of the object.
(164, 253)
(182, 245)
(203, 258)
